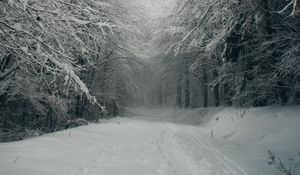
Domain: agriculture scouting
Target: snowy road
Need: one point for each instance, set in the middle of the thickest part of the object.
(118, 147)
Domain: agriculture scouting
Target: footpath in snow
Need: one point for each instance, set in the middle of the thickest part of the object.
(222, 141)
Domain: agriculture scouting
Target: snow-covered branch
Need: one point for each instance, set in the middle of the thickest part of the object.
(291, 3)
(55, 34)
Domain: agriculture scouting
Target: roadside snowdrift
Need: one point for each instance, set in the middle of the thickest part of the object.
(244, 134)
(276, 125)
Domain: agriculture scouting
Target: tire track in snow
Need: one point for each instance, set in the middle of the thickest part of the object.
(191, 140)
(177, 160)
(225, 160)
(161, 140)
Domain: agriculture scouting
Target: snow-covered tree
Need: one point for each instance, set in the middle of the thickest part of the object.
(246, 51)
(69, 58)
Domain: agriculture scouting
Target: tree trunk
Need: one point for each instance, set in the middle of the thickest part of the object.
(187, 91)
(159, 95)
(205, 88)
(216, 91)
(178, 93)
(165, 94)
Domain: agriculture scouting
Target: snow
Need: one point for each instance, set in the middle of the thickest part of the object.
(163, 142)
(103, 4)
(25, 3)
(79, 22)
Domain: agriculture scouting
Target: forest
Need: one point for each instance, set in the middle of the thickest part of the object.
(64, 63)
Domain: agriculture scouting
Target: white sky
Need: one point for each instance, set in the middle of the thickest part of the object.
(155, 8)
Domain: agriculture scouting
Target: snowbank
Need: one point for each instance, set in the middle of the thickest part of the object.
(244, 134)
(274, 125)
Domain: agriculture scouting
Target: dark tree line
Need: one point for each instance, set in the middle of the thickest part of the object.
(241, 53)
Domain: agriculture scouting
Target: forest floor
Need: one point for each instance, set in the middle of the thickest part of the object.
(224, 141)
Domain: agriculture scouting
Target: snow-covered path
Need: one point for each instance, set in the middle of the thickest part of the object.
(121, 146)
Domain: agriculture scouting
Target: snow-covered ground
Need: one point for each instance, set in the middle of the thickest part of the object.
(221, 141)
